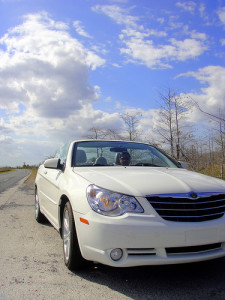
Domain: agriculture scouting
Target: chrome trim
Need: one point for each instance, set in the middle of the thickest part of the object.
(194, 203)
(191, 209)
(182, 207)
(187, 195)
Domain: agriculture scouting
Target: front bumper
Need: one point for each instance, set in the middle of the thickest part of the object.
(148, 239)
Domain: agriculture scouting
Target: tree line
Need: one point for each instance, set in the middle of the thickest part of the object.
(204, 153)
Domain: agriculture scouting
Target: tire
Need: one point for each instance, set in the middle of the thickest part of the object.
(71, 250)
(40, 218)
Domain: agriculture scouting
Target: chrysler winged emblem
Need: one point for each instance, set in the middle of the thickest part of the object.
(193, 195)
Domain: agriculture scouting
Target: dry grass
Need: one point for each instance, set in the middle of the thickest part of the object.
(5, 170)
(214, 172)
(30, 180)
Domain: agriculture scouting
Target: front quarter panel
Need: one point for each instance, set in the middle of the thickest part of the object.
(74, 187)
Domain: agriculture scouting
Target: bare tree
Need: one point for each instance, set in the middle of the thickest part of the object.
(170, 128)
(131, 122)
(101, 133)
(219, 117)
(222, 145)
(113, 134)
(211, 154)
(96, 133)
(219, 137)
(220, 141)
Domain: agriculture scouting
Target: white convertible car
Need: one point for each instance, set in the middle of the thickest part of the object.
(128, 204)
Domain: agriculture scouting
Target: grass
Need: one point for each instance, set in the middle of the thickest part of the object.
(30, 180)
(215, 171)
(5, 170)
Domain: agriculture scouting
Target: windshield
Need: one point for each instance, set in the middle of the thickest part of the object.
(112, 153)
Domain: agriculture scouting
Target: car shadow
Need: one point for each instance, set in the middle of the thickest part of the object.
(203, 280)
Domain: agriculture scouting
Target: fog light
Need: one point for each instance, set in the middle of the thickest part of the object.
(116, 254)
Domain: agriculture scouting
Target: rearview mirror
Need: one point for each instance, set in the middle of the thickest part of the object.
(53, 163)
(183, 164)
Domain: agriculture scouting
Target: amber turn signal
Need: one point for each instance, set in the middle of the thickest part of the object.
(84, 221)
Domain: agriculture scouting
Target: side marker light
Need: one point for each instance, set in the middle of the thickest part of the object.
(84, 221)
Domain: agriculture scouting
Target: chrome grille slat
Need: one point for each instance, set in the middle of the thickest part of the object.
(161, 202)
(183, 208)
(186, 209)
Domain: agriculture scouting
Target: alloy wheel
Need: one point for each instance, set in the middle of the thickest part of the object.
(66, 235)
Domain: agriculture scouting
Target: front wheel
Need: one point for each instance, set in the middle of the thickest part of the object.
(71, 250)
(40, 218)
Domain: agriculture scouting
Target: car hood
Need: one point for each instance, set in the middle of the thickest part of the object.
(142, 181)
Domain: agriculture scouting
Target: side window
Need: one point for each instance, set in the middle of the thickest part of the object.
(62, 153)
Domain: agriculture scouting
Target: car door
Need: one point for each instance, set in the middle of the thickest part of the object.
(50, 193)
(50, 188)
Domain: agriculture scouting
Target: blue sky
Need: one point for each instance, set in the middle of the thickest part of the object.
(67, 66)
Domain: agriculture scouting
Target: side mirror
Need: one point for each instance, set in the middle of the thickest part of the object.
(183, 164)
(53, 163)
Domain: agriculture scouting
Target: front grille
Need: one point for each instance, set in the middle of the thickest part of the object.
(183, 208)
(193, 249)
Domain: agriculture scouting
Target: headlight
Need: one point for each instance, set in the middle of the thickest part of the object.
(109, 203)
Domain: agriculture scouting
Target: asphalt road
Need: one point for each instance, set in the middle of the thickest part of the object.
(32, 267)
(10, 179)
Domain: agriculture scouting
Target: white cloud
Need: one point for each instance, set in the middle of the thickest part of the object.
(116, 65)
(158, 56)
(188, 6)
(212, 96)
(108, 99)
(140, 47)
(16, 151)
(119, 15)
(174, 24)
(221, 14)
(186, 49)
(161, 20)
(45, 69)
(5, 139)
(202, 11)
(222, 41)
(130, 32)
(194, 34)
(40, 138)
(118, 105)
(80, 29)
(45, 92)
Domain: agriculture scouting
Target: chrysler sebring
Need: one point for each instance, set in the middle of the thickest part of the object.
(128, 204)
